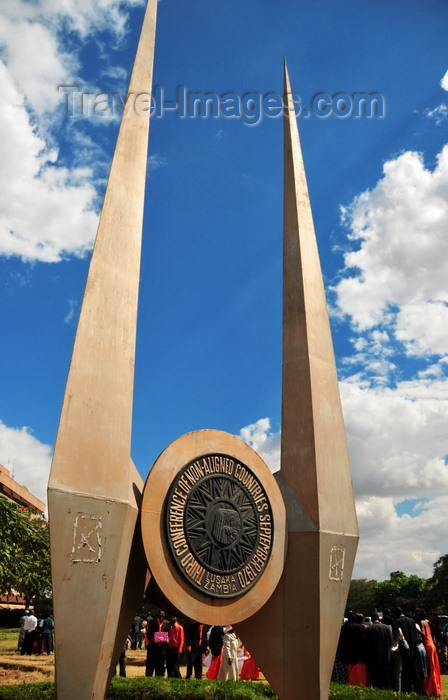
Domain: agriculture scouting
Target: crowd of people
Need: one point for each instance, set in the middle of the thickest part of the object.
(405, 653)
(214, 651)
(35, 634)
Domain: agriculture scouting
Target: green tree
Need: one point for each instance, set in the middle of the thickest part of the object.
(361, 596)
(24, 551)
(438, 585)
(400, 590)
(414, 591)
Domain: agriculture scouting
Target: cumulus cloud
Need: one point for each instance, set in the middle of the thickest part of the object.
(35, 80)
(393, 292)
(29, 458)
(260, 436)
(47, 210)
(397, 438)
(395, 277)
(444, 81)
(397, 445)
(48, 206)
(419, 336)
(81, 16)
(408, 543)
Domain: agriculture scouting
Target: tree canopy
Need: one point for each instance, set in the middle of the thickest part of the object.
(400, 590)
(24, 551)
(439, 583)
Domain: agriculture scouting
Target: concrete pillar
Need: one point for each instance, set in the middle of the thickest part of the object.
(94, 489)
(294, 636)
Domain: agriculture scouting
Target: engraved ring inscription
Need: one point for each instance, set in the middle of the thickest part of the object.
(219, 525)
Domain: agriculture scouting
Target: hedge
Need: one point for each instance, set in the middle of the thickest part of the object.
(182, 689)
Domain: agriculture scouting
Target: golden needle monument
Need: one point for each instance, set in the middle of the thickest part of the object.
(94, 489)
(224, 540)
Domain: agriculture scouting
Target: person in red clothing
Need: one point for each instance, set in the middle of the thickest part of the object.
(431, 683)
(249, 670)
(215, 644)
(175, 647)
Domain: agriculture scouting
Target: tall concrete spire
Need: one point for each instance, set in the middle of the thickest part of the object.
(306, 610)
(314, 456)
(94, 489)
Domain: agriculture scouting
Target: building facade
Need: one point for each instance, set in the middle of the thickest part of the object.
(20, 495)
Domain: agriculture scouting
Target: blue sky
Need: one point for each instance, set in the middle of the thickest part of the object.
(209, 333)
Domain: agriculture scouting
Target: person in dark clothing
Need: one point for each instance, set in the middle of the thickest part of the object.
(47, 634)
(352, 649)
(412, 672)
(156, 647)
(378, 646)
(396, 662)
(196, 648)
(437, 636)
(135, 631)
(122, 657)
(215, 644)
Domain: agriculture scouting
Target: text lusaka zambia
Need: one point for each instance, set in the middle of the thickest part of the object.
(218, 464)
(223, 584)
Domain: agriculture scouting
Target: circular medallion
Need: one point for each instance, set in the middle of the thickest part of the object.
(213, 527)
(219, 525)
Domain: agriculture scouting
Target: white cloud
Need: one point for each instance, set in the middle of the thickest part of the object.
(439, 113)
(47, 206)
(393, 543)
(81, 16)
(374, 354)
(260, 436)
(155, 162)
(393, 290)
(397, 444)
(397, 438)
(37, 81)
(419, 336)
(30, 459)
(38, 29)
(72, 312)
(444, 81)
(46, 211)
(396, 278)
(117, 73)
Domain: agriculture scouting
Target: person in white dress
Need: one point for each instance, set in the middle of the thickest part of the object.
(229, 657)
